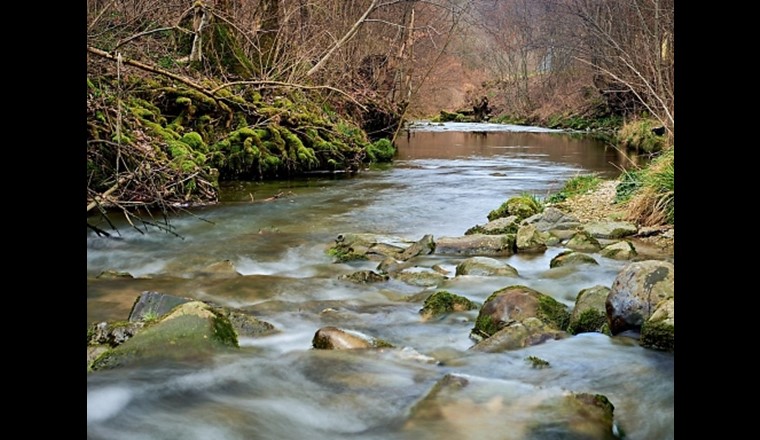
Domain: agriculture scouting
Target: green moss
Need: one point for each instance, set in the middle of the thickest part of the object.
(658, 335)
(485, 325)
(576, 186)
(553, 312)
(194, 141)
(224, 330)
(590, 320)
(381, 150)
(638, 135)
(537, 362)
(522, 206)
(342, 254)
(443, 302)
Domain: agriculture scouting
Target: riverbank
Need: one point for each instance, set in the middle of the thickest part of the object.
(599, 204)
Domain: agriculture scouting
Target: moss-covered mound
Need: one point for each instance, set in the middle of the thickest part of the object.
(521, 206)
(443, 302)
(183, 140)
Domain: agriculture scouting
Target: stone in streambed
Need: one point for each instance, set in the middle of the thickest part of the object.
(636, 292)
(589, 313)
(443, 302)
(334, 338)
(364, 277)
(622, 250)
(610, 229)
(531, 240)
(191, 332)
(658, 332)
(477, 245)
(500, 226)
(516, 304)
(584, 242)
(152, 305)
(571, 258)
(459, 406)
(485, 266)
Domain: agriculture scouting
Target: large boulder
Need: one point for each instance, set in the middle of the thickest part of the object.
(471, 407)
(658, 331)
(590, 313)
(477, 244)
(334, 338)
(516, 304)
(636, 292)
(443, 302)
(485, 266)
(192, 331)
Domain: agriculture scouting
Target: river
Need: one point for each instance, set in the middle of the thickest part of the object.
(444, 180)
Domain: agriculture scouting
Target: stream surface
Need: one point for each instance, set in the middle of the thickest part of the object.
(444, 180)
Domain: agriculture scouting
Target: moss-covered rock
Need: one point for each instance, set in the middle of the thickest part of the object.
(622, 250)
(516, 304)
(443, 302)
(584, 242)
(191, 332)
(636, 292)
(658, 332)
(520, 206)
(530, 240)
(499, 226)
(364, 276)
(571, 258)
(485, 266)
(589, 313)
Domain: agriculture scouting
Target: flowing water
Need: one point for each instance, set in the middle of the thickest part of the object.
(445, 179)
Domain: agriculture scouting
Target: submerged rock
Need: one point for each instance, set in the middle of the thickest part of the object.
(364, 276)
(334, 338)
(477, 244)
(485, 266)
(112, 274)
(516, 335)
(224, 268)
(636, 292)
(421, 278)
(571, 258)
(471, 407)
